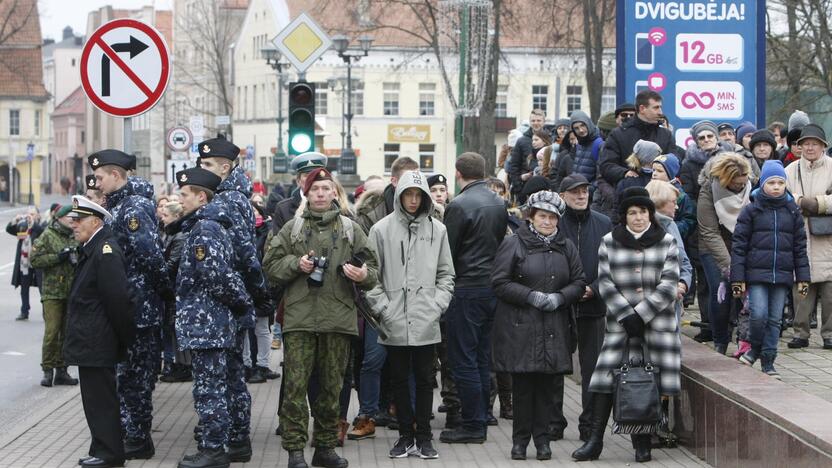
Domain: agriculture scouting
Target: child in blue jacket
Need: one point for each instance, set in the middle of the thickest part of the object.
(768, 255)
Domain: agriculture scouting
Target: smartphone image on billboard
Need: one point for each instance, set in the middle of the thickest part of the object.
(641, 86)
(644, 52)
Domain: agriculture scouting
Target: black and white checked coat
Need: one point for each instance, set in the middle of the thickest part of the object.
(643, 282)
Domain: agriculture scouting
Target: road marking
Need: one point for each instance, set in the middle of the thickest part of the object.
(3, 267)
(12, 353)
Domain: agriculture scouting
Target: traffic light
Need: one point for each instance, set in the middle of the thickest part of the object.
(301, 117)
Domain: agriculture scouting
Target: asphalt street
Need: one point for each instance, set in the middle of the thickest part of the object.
(20, 342)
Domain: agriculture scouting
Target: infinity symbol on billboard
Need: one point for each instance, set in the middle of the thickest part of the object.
(704, 100)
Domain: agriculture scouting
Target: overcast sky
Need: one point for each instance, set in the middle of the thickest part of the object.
(55, 15)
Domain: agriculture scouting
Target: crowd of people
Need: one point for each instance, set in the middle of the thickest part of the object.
(590, 237)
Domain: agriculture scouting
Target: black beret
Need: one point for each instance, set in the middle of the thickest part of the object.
(112, 157)
(90, 182)
(437, 179)
(199, 177)
(218, 148)
(534, 185)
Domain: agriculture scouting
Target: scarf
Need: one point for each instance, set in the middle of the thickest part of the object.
(545, 239)
(647, 238)
(729, 204)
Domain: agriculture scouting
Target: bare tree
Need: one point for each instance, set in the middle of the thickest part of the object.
(14, 16)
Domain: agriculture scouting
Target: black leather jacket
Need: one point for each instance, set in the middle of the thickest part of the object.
(476, 220)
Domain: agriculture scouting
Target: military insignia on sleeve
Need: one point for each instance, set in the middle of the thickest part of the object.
(199, 253)
(133, 224)
(106, 249)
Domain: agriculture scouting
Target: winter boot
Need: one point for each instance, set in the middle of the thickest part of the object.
(641, 443)
(601, 407)
(62, 377)
(46, 381)
(327, 458)
(239, 452)
(296, 459)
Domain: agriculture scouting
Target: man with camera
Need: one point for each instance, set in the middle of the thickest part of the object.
(210, 295)
(55, 253)
(316, 258)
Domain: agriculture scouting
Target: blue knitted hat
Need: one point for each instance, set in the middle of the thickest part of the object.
(772, 168)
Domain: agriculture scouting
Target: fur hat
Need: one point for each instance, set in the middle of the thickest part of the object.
(762, 136)
(635, 196)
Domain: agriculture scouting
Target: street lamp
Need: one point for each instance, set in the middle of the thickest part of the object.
(341, 44)
(274, 58)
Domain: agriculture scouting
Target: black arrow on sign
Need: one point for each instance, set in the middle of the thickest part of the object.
(135, 47)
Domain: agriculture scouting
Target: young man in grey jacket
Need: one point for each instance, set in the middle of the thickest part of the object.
(416, 284)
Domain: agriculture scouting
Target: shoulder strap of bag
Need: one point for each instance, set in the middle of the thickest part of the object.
(349, 229)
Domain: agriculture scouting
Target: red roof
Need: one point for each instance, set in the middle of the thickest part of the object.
(21, 72)
(75, 103)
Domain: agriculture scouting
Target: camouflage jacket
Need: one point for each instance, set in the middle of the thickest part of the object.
(331, 307)
(136, 231)
(233, 199)
(207, 287)
(57, 274)
(374, 206)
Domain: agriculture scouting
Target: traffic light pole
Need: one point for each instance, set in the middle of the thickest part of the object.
(280, 152)
(349, 110)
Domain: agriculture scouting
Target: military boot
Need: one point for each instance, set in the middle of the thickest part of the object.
(139, 449)
(46, 381)
(296, 459)
(240, 452)
(62, 377)
(206, 458)
(327, 458)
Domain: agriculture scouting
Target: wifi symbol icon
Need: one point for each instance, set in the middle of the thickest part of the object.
(657, 36)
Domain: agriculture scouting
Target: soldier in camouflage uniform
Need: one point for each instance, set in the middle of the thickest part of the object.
(232, 197)
(320, 313)
(210, 294)
(130, 201)
(52, 253)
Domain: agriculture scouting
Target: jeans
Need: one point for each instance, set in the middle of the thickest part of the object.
(719, 313)
(469, 319)
(369, 386)
(766, 302)
(263, 337)
(419, 360)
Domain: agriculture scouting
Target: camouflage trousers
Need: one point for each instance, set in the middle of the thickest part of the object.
(237, 395)
(210, 368)
(328, 354)
(54, 318)
(136, 380)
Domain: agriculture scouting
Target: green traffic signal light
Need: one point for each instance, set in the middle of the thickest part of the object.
(301, 117)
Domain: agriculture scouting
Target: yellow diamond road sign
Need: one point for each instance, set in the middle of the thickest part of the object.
(302, 42)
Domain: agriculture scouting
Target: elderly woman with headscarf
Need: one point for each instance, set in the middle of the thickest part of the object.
(537, 277)
(638, 276)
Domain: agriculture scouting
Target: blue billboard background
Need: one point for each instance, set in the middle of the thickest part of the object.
(706, 59)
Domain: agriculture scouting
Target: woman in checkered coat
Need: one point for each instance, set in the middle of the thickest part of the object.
(638, 273)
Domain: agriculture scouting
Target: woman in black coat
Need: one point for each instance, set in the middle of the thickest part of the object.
(26, 227)
(537, 277)
(174, 241)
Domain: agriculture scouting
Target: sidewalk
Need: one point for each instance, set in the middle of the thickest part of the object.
(808, 369)
(59, 436)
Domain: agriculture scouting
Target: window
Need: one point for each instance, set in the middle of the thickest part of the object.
(245, 102)
(391, 153)
(254, 102)
(427, 95)
(608, 99)
(540, 97)
(37, 123)
(426, 157)
(573, 98)
(501, 105)
(14, 122)
(391, 99)
(357, 103)
(321, 98)
(83, 136)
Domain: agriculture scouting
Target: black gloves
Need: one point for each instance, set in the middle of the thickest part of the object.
(63, 255)
(634, 325)
(239, 310)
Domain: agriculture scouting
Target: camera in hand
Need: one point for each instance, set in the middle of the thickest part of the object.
(316, 278)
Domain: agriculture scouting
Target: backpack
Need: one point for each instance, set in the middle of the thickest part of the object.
(347, 223)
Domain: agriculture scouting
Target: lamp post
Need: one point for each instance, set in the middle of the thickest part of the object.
(341, 43)
(275, 59)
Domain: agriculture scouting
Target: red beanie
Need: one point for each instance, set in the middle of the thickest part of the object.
(315, 176)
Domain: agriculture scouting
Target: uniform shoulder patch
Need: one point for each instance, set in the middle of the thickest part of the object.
(133, 223)
(106, 249)
(199, 252)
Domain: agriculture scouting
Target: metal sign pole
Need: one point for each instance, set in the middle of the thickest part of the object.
(128, 135)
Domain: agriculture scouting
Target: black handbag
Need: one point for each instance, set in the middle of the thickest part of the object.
(636, 398)
(818, 225)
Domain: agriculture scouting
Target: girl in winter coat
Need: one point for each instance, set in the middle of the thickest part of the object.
(638, 277)
(537, 277)
(767, 254)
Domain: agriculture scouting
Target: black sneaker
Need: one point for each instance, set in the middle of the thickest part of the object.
(426, 451)
(797, 343)
(404, 447)
(256, 376)
(268, 373)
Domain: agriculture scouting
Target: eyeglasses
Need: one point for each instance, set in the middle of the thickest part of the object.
(708, 136)
(627, 115)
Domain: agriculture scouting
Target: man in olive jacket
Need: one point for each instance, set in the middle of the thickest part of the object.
(308, 258)
(55, 254)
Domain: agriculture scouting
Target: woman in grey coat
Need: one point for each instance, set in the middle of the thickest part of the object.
(638, 276)
(537, 277)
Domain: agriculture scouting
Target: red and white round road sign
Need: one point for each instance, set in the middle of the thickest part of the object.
(125, 67)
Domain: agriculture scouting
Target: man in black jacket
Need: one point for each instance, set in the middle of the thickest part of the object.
(644, 126)
(517, 162)
(585, 228)
(99, 327)
(476, 221)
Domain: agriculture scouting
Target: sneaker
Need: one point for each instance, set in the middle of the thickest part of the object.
(426, 451)
(364, 428)
(276, 343)
(772, 372)
(743, 348)
(404, 447)
(749, 358)
(767, 366)
(268, 373)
